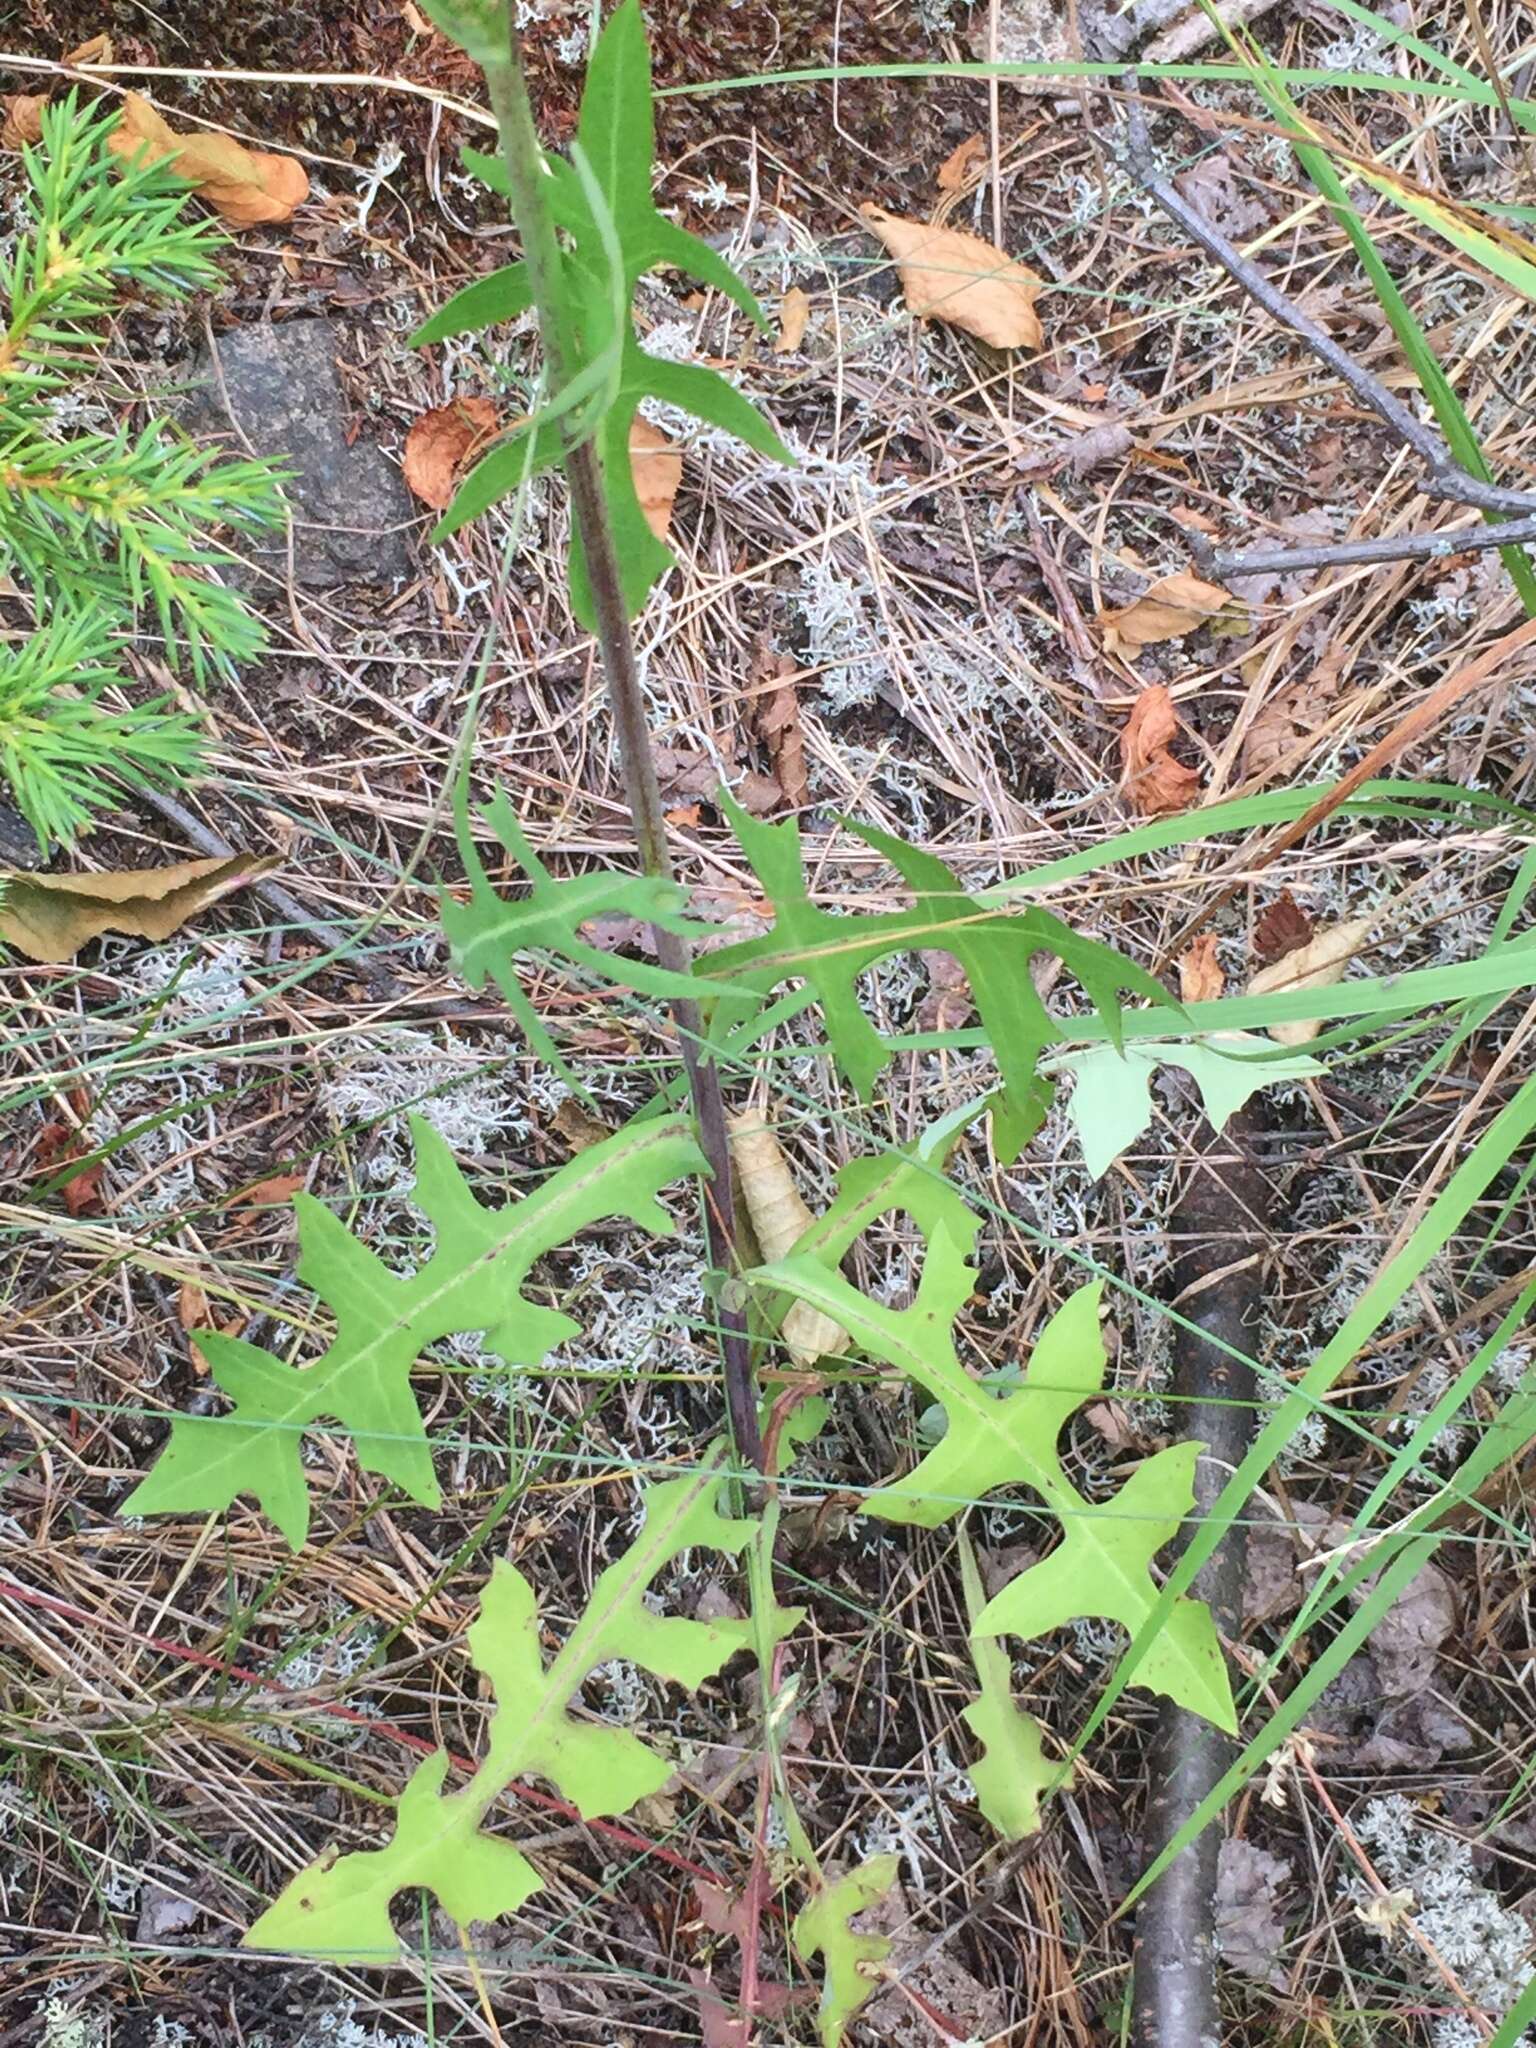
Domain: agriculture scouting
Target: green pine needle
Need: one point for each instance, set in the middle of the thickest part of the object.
(110, 532)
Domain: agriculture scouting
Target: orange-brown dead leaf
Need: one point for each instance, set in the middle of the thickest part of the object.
(1200, 977)
(657, 464)
(947, 274)
(957, 168)
(441, 442)
(97, 49)
(794, 312)
(277, 1189)
(775, 711)
(60, 1144)
(23, 122)
(1175, 605)
(192, 1311)
(1155, 783)
(247, 187)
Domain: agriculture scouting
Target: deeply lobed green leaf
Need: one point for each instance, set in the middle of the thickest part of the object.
(994, 947)
(472, 1282)
(1111, 1100)
(339, 1908)
(1102, 1567)
(489, 932)
(825, 1928)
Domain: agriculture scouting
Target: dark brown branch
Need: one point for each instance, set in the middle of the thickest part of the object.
(1445, 478)
(1406, 547)
(1219, 1220)
(332, 937)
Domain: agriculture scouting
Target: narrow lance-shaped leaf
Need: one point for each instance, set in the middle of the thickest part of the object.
(472, 1282)
(339, 1908)
(994, 948)
(615, 211)
(1102, 1568)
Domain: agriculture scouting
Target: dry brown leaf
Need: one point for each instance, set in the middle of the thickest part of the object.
(50, 917)
(1200, 977)
(1175, 605)
(273, 1192)
(192, 1310)
(775, 711)
(1275, 743)
(1154, 782)
(658, 470)
(579, 1128)
(98, 49)
(1318, 964)
(949, 275)
(956, 170)
(794, 312)
(780, 1217)
(441, 442)
(61, 1145)
(688, 775)
(23, 122)
(1282, 927)
(948, 1005)
(247, 187)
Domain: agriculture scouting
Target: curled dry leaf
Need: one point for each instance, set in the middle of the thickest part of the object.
(1200, 977)
(1281, 927)
(657, 463)
(1155, 783)
(441, 442)
(97, 49)
(949, 275)
(780, 1218)
(580, 1129)
(1174, 605)
(775, 711)
(1318, 964)
(23, 122)
(1277, 741)
(50, 917)
(963, 161)
(794, 312)
(247, 187)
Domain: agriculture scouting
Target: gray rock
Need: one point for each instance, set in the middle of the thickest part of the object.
(279, 385)
(18, 842)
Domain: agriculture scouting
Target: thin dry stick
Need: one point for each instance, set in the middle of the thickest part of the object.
(1445, 478)
(1459, 684)
(523, 157)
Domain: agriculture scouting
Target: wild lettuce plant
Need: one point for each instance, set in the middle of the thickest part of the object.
(590, 229)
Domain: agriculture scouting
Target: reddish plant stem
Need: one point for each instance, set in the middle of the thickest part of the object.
(523, 158)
